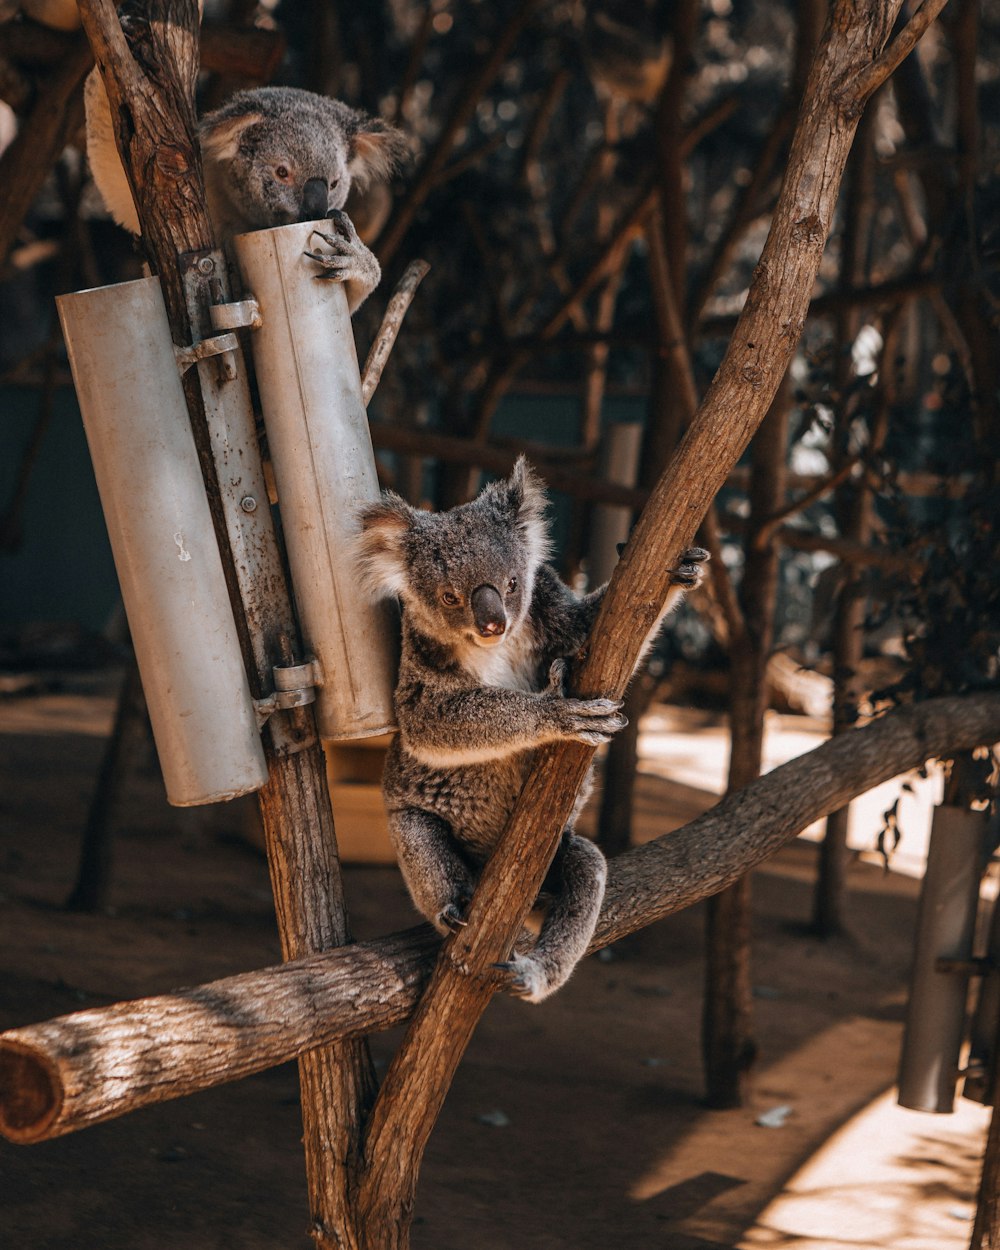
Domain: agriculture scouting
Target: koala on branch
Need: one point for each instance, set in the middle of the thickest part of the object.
(487, 629)
(272, 156)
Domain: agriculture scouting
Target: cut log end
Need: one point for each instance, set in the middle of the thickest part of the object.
(31, 1093)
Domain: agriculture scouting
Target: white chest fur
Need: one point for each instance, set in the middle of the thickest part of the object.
(510, 664)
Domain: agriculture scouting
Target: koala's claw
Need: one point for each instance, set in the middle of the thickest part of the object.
(689, 572)
(347, 252)
(524, 978)
(451, 918)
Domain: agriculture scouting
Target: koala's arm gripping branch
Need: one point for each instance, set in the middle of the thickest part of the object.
(490, 722)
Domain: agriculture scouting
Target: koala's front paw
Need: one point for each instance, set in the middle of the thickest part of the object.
(348, 261)
(525, 978)
(689, 573)
(592, 721)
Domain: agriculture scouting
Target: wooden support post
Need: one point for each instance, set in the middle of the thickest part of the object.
(152, 103)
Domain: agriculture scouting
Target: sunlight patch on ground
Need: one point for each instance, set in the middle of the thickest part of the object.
(692, 747)
(891, 1179)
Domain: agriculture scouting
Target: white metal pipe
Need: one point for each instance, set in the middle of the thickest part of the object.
(164, 544)
(936, 1012)
(324, 469)
(610, 526)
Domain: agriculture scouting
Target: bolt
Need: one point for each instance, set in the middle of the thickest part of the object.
(248, 504)
(206, 265)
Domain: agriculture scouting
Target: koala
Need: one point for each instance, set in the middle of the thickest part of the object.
(272, 156)
(487, 627)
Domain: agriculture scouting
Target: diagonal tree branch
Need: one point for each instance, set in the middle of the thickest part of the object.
(735, 404)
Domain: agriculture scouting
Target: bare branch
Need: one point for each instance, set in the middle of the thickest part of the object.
(865, 84)
(395, 311)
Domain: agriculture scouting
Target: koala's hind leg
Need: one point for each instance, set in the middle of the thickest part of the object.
(569, 923)
(439, 880)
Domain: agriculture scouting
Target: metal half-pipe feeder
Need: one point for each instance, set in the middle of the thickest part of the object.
(324, 468)
(128, 382)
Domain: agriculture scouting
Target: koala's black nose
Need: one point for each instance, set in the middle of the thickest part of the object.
(487, 611)
(315, 200)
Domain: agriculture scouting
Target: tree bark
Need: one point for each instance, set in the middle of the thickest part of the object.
(77, 1070)
(762, 345)
(152, 104)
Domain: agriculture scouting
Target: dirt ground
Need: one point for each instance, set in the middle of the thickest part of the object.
(574, 1124)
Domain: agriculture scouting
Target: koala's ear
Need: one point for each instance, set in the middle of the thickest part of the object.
(528, 502)
(220, 135)
(376, 151)
(384, 526)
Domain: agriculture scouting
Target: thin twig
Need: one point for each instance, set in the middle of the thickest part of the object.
(767, 528)
(395, 311)
(461, 114)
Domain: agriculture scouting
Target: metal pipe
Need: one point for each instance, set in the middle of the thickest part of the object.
(936, 1013)
(610, 526)
(163, 541)
(324, 469)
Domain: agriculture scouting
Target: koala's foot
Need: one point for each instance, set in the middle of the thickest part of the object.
(348, 261)
(690, 573)
(526, 978)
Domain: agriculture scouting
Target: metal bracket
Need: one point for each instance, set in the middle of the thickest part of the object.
(217, 345)
(295, 685)
(239, 315)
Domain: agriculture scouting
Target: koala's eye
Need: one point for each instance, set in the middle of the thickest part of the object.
(450, 599)
(512, 585)
(281, 172)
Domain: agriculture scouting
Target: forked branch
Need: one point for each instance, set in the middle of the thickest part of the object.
(735, 404)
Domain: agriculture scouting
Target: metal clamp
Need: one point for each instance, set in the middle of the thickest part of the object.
(239, 315)
(217, 345)
(295, 685)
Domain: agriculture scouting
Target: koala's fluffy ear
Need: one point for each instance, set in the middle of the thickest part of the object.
(529, 501)
(220, 136)
(377, 150)
(384, 526)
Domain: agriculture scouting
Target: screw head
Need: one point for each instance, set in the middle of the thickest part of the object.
(206, 265)
(248, 504)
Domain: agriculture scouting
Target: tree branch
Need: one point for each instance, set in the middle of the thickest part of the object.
(869, 80)
(735, 404)
(73, 1071)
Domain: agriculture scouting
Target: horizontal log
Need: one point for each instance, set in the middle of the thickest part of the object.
(90, 1066)
(93, 1065)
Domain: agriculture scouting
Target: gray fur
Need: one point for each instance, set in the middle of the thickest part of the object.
(480, 689)
(259, 151)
